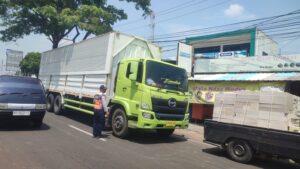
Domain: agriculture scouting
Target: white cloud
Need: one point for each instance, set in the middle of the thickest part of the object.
(234, 10)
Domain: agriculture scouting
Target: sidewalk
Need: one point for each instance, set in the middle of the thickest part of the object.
(194, 132)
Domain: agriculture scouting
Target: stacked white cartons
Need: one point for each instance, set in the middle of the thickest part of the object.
(274, 109)
(246, 108)
(294, 116)
(224, 107)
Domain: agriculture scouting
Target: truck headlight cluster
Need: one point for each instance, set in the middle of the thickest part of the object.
(147, 115)
(187, 117)
(145, 106)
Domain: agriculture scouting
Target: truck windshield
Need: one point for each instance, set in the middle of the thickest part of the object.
(166, 76)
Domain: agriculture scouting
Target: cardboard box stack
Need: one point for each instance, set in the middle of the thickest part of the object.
(274, 110)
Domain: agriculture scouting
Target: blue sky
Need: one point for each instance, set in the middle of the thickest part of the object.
(199, 14)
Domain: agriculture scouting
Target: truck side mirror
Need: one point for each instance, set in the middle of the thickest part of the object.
(133, 70)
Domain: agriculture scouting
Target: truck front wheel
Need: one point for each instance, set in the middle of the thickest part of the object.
(240, 151)
(120, 123)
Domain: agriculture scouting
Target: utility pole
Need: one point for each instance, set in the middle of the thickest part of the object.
(152, 24)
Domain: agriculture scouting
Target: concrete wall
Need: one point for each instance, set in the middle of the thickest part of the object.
(264, 43)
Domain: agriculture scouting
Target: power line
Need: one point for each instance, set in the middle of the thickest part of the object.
(175, 17)
(188, 13)
(289, 35)
(196, 31)
(291, 26)
(180, 6)
(167, 11)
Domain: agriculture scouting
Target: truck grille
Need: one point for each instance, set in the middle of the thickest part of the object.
(164, 112)
(163, 116)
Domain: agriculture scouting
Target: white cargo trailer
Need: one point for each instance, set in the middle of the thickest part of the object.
(79, 69)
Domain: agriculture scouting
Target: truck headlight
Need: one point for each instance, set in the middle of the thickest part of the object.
(145, 106)
(147, 115)
(3, 106)
(187, 117)
(40, 106)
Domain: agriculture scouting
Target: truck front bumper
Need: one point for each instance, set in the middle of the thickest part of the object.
(150, 121)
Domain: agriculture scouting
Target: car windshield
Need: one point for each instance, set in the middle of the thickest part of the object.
(166, 76)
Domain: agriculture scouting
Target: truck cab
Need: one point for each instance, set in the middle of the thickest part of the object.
(149, 94)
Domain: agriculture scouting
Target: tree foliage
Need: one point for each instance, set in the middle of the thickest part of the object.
(30, 64)
(57, 18)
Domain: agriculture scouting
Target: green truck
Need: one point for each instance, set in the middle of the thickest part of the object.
(143, 92)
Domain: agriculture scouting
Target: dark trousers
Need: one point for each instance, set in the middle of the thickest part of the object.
(99, 122)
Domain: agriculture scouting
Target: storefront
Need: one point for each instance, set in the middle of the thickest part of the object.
(236, 74)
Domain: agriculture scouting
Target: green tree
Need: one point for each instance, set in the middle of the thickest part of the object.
(30, 64)
(57, 18)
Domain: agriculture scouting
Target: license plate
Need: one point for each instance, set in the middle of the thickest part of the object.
(171, 124)
(21, 113)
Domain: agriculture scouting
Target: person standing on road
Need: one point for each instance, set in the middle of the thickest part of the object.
(99, 112)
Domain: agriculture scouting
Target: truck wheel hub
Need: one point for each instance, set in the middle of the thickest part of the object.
(239, 150)
(119, 123)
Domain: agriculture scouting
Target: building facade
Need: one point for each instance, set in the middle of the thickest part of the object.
(240, 43)
(260, 73)
(239, 60)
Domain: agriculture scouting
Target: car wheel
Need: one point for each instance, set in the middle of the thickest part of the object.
(120, 123)
(57, 105)
(165, 132)
(240, 151)
(50, 102)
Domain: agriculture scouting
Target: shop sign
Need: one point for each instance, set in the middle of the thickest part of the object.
(205, 92)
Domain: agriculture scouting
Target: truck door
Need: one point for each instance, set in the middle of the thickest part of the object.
(129, 85)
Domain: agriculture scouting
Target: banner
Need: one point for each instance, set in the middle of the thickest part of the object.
(205, 92)
(247, 64)
(184, 57)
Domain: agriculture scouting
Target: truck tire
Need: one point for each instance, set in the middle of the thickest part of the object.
(120, 123)
(165, 132)
(57, 105)
(240, 151)
(50, 102)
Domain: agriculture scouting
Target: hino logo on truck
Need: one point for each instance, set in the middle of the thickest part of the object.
(172, 103)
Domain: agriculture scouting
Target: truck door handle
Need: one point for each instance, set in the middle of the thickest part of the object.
(124, 88)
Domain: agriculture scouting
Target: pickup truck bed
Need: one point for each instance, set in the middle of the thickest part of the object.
(241, 142)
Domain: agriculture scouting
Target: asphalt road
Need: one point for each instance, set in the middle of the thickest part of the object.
(65, 142)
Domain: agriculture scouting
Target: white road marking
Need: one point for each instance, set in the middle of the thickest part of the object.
(78, 129)
(102, 139)
(85, 132)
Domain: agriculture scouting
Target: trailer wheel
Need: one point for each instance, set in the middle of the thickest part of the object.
(165, 132)
(50, 102)
(57, 105)
(240, 151)
(120, 123)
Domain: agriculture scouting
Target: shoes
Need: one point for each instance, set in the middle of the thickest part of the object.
(96, 136)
